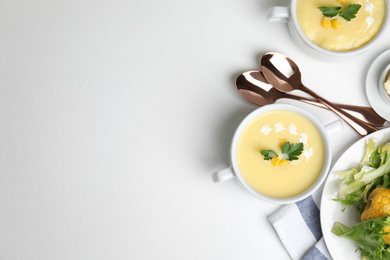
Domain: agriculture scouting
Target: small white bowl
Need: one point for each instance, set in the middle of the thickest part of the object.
(234, 172)
(381, 86)
(287, 14)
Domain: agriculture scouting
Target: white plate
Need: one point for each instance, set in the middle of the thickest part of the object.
(372, 85)
(331, 211)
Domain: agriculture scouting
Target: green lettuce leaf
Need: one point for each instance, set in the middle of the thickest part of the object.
(368, 236)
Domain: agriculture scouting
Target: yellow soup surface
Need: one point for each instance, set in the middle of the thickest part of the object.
(265, 132)
(349, 35)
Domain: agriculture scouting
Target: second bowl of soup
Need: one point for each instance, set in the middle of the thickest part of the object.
(335, 28)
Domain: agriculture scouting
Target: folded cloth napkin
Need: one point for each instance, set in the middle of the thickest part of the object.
(299, 228)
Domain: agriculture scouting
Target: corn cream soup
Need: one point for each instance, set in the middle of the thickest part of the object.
(265, 132)
(349, 35)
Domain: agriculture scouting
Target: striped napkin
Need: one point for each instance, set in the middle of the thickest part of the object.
(299, 228)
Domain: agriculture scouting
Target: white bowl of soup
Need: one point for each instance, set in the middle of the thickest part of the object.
(265, 155)
(355, 25)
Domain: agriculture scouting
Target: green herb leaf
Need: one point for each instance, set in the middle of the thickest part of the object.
(368, 236)
(375, 159)
(292, 150)
(268, 154)
(330, 11)
(350, 12)
(353, 198)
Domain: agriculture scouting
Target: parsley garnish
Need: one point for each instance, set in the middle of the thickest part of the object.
(348, 13)
(330, 11)
(268, 154)
(291, 150)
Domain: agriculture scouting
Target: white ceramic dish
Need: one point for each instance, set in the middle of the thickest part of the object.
(234, 172)
(372, 89)
(287, 14)
(331, 211)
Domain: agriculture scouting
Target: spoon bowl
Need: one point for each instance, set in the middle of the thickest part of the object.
(287, 73)
(253, 86)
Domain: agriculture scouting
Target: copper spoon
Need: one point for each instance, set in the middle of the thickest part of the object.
(285, 76)
(253, 86)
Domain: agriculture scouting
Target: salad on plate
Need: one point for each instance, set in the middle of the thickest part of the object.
(367, 189)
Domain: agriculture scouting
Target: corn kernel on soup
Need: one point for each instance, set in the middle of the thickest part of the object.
(340, 25)
(280, 153)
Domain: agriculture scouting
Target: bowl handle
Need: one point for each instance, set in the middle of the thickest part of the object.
(334, 127)
(223, 175)
(278, 14)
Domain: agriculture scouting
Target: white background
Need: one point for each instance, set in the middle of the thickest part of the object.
(115, 113)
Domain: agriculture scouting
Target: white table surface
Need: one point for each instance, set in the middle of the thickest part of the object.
(114, 115)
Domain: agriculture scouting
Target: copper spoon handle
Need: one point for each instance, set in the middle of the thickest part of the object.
(360, 126)
(364, 113)
(371, 117)
(254, 87)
